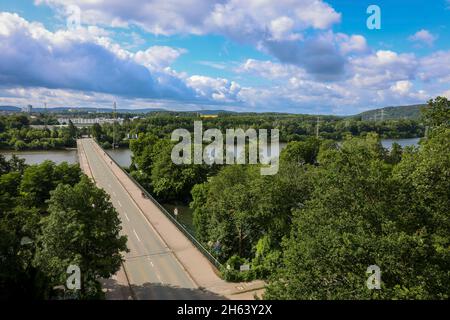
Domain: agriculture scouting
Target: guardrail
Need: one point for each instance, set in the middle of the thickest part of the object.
(180, 227)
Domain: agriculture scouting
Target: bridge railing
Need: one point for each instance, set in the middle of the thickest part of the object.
(180, 227)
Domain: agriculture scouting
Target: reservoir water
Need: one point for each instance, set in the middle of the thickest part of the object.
(123, 156)
(35, 157)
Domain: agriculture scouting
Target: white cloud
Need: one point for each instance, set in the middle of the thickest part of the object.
(423, 36)
(158, 57)
(402, 87)
(272, 26)
(381, 69)
(352, 44)
(203, 16)
(269, 70)
(219, 89)
(81, 60)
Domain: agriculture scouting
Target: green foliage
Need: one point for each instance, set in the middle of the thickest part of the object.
(42, 229)
(238, 207)
(301, 151)
(170, 181)
(16, 133)
(437, 112)
(82, 229)
(39, 180)
(153, 167)
(362, 212)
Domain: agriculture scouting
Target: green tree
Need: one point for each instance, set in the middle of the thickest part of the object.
(96, 131)
(82, 229)
(39, 180)
(363, 211)
(170, 181)
(437, 112)
(301, 151)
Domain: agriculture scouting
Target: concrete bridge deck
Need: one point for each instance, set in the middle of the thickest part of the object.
(162, 262)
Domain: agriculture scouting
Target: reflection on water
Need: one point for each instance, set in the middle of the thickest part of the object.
(121, 156)
(36, 157)
(387, 143)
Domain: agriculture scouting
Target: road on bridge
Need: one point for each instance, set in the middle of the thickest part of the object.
(151, 268)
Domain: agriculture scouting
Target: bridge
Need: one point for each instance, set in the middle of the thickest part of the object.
(162, 263)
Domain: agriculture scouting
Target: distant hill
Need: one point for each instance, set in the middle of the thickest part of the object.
(411, 112)
(10, 108)
(402, 112)
(108, 110)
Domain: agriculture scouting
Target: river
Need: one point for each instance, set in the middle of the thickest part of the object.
(123, 156)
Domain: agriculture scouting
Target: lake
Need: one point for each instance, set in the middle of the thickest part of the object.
(387, 143)
(36, 157)
(123, 156)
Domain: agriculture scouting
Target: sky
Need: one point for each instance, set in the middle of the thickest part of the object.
(297, 56)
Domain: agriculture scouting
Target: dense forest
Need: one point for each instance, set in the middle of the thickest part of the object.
(291, 127)
(339, 203)
(17, 133)
(51, 217)
(332, 210)
(400, 112)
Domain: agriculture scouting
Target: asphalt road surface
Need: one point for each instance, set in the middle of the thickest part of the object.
(153, 271)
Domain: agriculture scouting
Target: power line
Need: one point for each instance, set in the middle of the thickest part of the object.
(317, 127)
(114, 124)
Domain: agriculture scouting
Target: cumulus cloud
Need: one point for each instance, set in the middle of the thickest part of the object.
(424, 37)
(382, 68)
(269, 70)
(402, 87)
(219, 89)
(318, 55)
(276, 27)
(170, 17)
(158, 57)
(35, 57)
(352, 44)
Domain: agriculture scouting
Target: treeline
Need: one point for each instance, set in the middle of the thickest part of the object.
(51, 217)
(291, 127)
(331, 211)
(16, 133)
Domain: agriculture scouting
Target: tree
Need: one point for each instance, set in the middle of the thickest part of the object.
(301, 151)
(170, 181)
(437, 112)
(362, 212)
(82, 229)
(248, 214)
(395, 154)
(39, 180)
(73, 131)
(96, 131)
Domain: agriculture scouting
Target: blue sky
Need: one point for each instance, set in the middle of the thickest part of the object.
(300, 56)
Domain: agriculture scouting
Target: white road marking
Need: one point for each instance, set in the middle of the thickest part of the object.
(119, 203)
(126, 216)
(159, 278)
(136, 235)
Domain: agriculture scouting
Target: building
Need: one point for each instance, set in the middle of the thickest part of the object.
(28, 108)
(88, 121)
